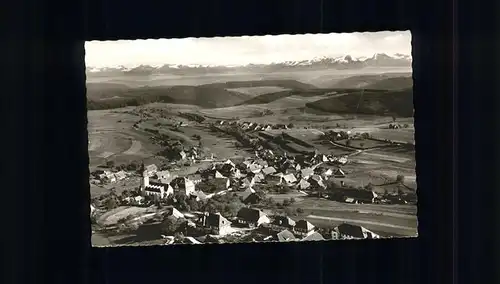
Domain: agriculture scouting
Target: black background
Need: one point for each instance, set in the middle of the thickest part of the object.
(45, 180)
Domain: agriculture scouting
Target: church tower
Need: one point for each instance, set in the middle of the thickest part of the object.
(145, 178)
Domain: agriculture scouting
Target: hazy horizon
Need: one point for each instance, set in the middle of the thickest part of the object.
(243, 50)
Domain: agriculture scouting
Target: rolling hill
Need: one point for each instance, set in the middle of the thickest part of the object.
(109, 96)
(370, 81)
(391, 102)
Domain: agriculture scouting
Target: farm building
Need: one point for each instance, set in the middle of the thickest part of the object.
(282, 223)
(215, 222)
(183, 185)
(306, 173)
(303, 184)
(285, 236)
(121, 175)
(163, 175)
(150, 169)
(349, 231)
(249, 217)
(315, 236)
(339, 173)
(252, 198)
(268, 170)
(289, 179)
(304, 228)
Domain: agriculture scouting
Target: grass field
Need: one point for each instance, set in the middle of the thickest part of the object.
(111, 137)
(257, 91)
(362, 143)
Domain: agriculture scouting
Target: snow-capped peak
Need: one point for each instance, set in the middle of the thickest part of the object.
(344, 61)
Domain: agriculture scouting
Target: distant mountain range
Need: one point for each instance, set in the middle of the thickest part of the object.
(340, 63)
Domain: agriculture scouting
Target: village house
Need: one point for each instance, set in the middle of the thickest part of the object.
(108, 176)
(258, 177)
(247, 182)
(285, 236)
(274, 179)
(289, 179)
(150, 169)
(315, 236)
(339, 173)
(306, 173)
(316, 181)
(252, 198)
(358, 196)
(163, 175)
(254, 168)
(268, 170)
(304, 228)
(215, 223)
(303, 184)
(247, 192)
(183, 185)
(249, 217)
(195, 178)
(199, 195)
(282, 223)
(121, 175)
(349, 231)
(172, 211)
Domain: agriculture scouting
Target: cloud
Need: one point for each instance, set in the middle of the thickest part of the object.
(243, 50)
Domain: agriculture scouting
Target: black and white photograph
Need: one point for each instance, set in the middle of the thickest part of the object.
(277, 138)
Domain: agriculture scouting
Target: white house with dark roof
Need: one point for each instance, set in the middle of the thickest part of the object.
(289, 179)
(163, 174)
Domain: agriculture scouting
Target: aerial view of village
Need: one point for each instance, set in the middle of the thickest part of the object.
(283, 138)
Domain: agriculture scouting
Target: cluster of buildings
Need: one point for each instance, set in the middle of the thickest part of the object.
(254, 225)
(252, 126)
(105, 176)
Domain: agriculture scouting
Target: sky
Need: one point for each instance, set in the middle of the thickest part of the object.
(243, 50)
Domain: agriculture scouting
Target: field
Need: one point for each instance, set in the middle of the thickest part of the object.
(362, 143)
(257, 91)
(112, 138)
(395, 219)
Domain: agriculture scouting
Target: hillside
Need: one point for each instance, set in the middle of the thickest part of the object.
(370, 81)
(107, 96)
(285, 84)
(399, 103)
(310, 93)
(395, 83)
(205, 96)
